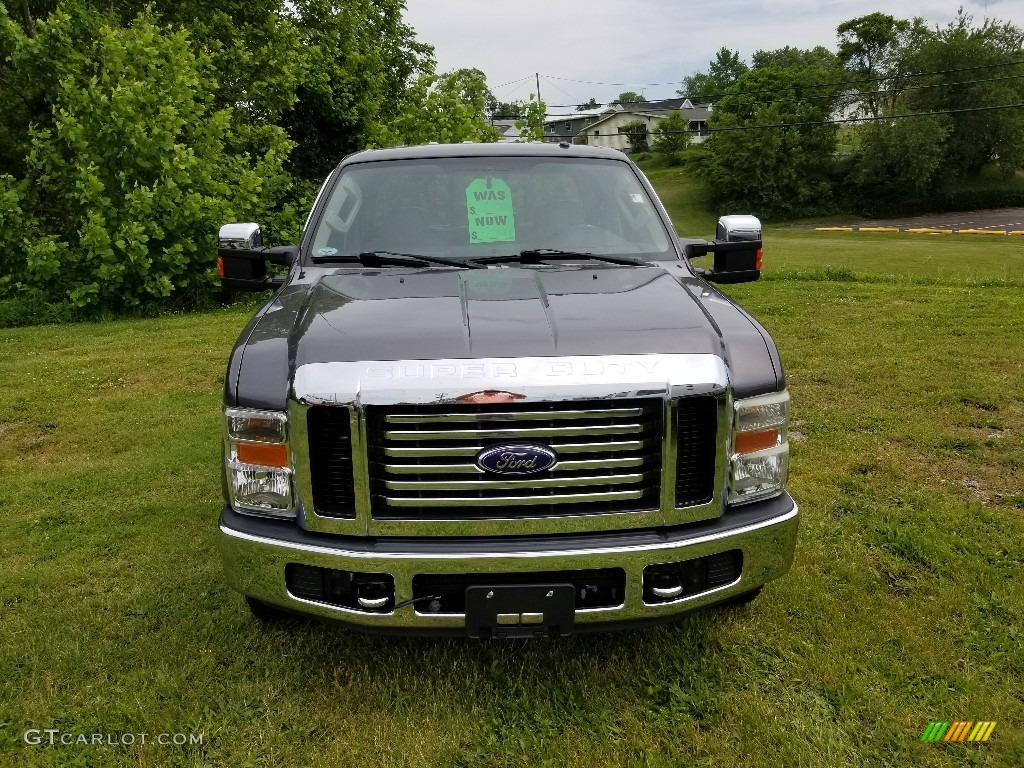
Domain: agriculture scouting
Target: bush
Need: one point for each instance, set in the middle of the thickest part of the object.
(125, 188)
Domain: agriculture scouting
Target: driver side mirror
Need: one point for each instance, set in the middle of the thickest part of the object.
(242, 258)
(737, 250)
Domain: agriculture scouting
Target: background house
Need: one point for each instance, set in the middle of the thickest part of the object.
(606, 128)
(507, 129)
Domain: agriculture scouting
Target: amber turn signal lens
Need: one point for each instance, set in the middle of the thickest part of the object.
(220, 266)
(748, 442)
(263, 454)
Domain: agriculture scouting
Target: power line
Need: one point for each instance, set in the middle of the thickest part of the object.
(616, 85)
(809, 86)
(837, 121)
(556, 86)
(513, 82)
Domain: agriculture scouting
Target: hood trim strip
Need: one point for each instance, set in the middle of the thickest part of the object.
(396, 382)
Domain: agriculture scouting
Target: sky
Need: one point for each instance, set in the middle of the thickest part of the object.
(646, 45)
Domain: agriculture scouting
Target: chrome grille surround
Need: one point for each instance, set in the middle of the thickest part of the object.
(569, 382)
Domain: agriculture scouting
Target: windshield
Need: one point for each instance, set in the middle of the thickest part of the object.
(473, 207)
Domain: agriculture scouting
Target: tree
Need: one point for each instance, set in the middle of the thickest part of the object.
(626, 98)
(776, 172)
(875, 50)
(447, 108)
(900, 160)
(726, 68)
(671, 138)
(636, 135)
(357, 60)
(128, 178)
(817, 57)
(503, 110)
(980, 138)
(531, 124)
(592, 104)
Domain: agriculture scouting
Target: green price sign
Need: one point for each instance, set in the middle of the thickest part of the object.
(491, 218)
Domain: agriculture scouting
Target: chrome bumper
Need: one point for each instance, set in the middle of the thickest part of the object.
(256, 551)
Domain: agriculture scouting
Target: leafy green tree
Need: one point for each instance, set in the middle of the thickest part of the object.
(629, 98)
(592, 104)
(503, 110)
(531, 123)
(726, 68)
(446, 108)
(790, 57)
(899, 160)
(636, 135)
(357, 58)
(774, 172)
(876, 49)
(671, 138)
(977, 139)
(126, 183)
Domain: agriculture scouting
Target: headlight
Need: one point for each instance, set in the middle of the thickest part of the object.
(258, 461)
(759, 448)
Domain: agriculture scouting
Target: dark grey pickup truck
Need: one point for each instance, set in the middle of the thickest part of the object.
(493, 396)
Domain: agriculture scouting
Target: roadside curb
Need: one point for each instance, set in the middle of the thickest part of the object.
(925, 231)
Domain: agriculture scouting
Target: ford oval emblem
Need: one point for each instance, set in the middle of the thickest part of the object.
(519, 459)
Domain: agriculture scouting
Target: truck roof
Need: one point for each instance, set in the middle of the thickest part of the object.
(496, 149)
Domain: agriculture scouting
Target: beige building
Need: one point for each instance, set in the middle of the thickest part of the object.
(607, 129)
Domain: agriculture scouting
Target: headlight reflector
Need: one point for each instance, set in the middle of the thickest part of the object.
(759, 449)
(258, 461)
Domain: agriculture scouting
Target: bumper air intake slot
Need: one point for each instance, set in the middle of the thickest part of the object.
(666, 582)
(367, 592)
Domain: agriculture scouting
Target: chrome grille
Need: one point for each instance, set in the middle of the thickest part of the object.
(422, 459)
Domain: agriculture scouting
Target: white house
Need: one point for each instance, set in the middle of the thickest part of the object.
(608, 129)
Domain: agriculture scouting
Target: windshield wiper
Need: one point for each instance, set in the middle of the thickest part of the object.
(383, 258)
(538, 255)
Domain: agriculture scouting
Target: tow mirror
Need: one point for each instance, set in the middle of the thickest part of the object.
(242, 258)
(737, 250)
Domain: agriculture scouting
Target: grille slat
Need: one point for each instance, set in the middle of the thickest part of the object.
(532, 500)
(419, 469)
(505, 485)
(473, 469)
(624, 413)
(511, 433)
(564, 449)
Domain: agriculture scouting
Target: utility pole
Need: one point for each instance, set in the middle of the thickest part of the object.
(538, 85)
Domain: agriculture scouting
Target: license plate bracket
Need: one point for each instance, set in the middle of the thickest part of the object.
(526, 610)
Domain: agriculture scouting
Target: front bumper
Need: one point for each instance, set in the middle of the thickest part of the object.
(256, 551)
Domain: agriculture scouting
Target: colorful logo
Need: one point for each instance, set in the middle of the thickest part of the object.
(961, 730)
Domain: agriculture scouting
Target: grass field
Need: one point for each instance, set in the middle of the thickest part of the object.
(904, 604)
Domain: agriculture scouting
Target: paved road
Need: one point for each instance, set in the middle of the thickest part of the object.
(1006, 219)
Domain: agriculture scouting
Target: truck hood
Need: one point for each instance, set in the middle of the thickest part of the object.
(501, 312)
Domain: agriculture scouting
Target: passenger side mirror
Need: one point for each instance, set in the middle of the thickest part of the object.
(737, 250)
(242, 258)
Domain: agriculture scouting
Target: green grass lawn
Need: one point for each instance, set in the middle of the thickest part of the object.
(904, 604)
